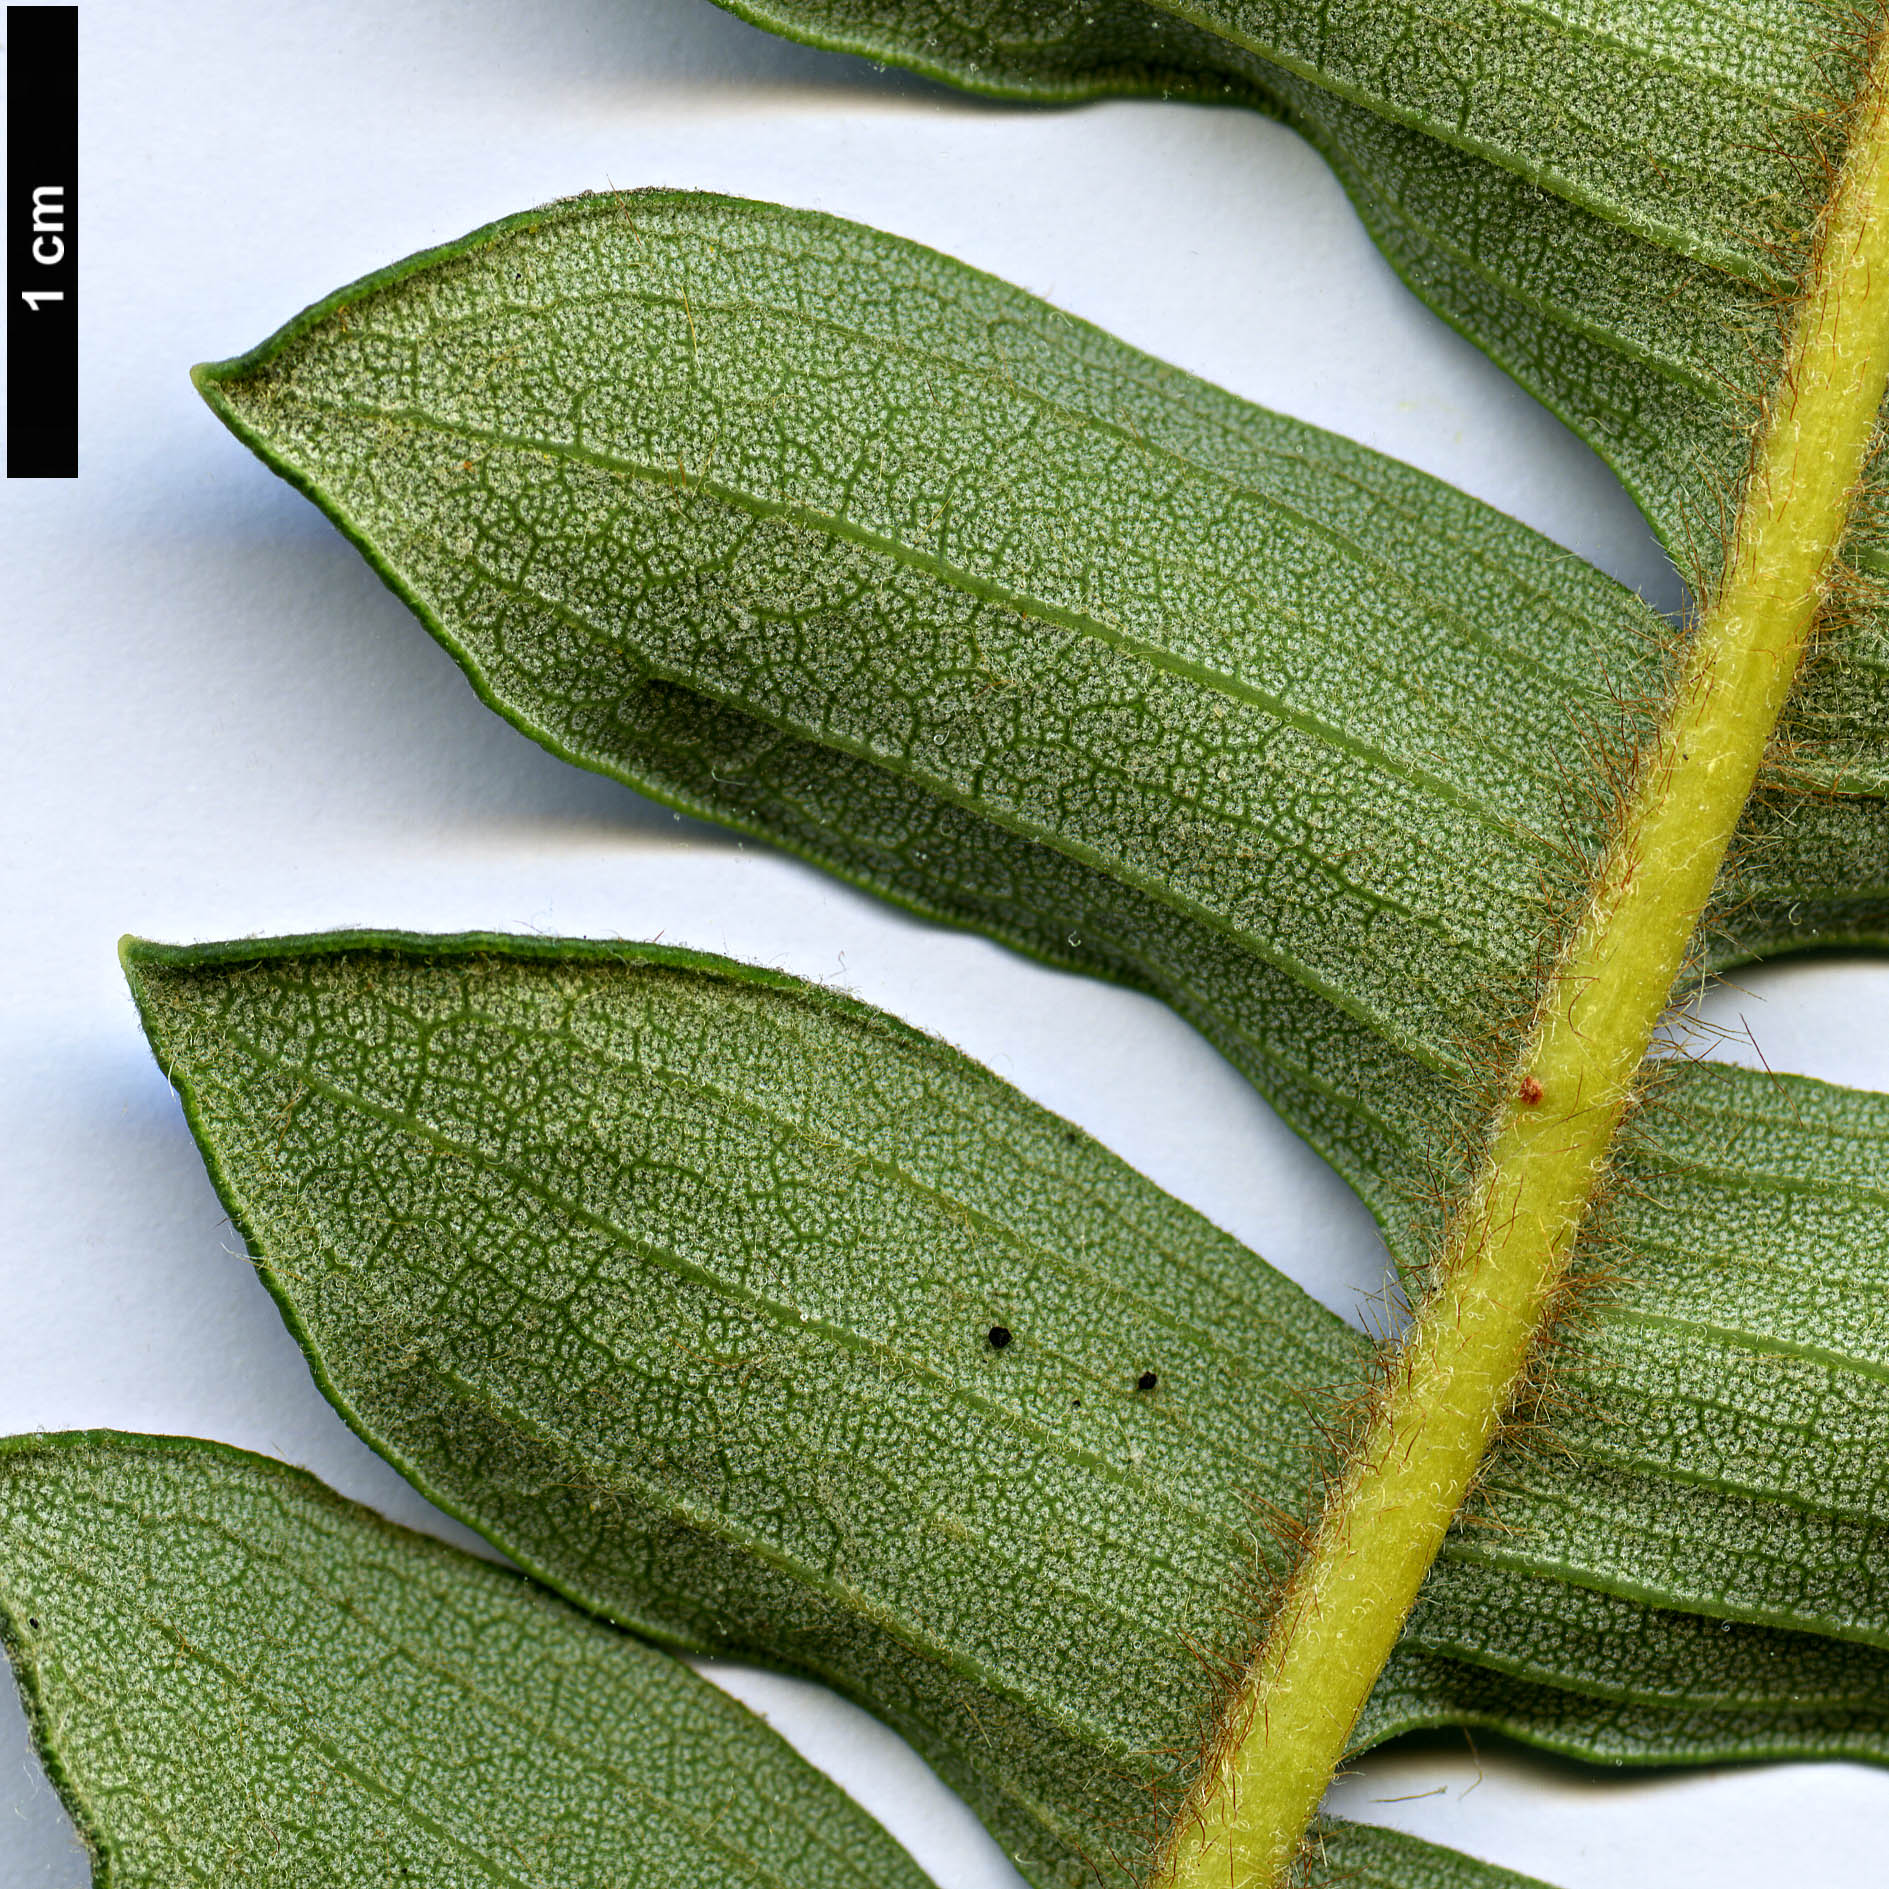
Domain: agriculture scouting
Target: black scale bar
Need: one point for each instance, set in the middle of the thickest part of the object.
(42, 217)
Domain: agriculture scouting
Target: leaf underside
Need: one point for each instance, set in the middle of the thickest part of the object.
(1694, 126)
(814, 530)
(232, 1673)
(679, 1280)
(235, 1675)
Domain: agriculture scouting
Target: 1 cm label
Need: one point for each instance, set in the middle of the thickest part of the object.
(49, 240)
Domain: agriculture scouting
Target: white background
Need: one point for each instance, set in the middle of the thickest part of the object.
(216, 722)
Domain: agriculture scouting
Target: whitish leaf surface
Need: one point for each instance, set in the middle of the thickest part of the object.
(236, 1676)
(753, 1319)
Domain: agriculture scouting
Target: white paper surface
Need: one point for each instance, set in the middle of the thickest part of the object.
(217, 723)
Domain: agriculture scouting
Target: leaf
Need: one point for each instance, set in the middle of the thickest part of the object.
(716, 1359)
(1694, 130)
(746, 448)
(1387, 1859)
(903, 600)
(233, 1674)
(1025, 698)
(1306, 697)
(1656, 361)
(1734, 1387)
(684, 1283)
(1598, 1677)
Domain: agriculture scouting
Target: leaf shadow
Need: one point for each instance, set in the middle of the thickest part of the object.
(315, 675)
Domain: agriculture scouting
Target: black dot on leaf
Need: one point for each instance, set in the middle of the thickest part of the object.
(999, 1337)
(34, 1624)
(1146, 1381)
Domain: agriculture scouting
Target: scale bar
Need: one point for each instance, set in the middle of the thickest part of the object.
(42, 218)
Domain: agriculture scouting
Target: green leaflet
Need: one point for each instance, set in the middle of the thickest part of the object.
(715, 1357)
(1357, 1853)
(230, 1669)
(679, 1280)
(1312, 700)
(1688, 124)
(1594, 1676)
(1734, 1387)
(936, 525)
(1655, 360)
(233, 1674)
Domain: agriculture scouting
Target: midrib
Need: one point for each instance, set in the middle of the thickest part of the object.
(1446, 1388)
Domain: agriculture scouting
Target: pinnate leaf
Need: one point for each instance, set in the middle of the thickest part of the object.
(997, 617)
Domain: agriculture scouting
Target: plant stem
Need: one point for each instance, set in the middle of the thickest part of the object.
(1449, 1385)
